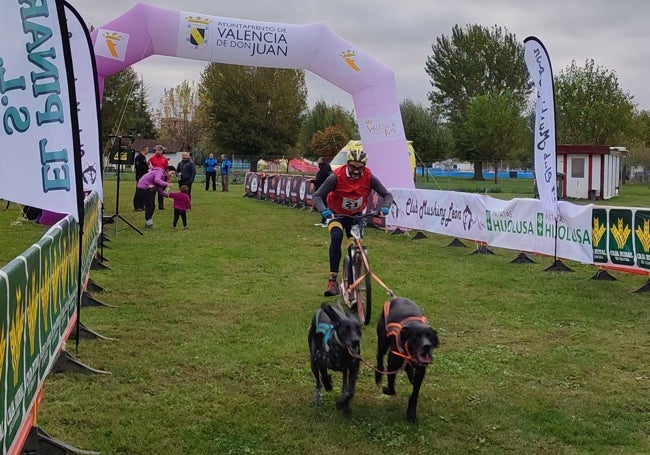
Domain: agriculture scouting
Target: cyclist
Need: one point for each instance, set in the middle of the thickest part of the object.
(346, 191)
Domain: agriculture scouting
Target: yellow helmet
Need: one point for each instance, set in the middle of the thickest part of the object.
(357, 155)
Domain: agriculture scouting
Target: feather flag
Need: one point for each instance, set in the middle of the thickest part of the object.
(38, 166)
(539, 67)
(87, 102)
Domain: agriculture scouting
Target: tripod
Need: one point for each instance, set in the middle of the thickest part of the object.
(119, 158)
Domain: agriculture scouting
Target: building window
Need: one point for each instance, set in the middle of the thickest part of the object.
(577, 168)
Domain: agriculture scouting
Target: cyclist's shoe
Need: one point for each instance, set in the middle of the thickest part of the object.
(332, 288)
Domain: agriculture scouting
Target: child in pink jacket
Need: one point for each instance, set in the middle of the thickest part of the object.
(182, 203)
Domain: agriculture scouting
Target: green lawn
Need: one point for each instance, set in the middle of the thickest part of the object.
(210, 352)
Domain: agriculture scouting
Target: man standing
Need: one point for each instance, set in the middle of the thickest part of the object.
(324, 171)
(186, 172)
(211, 172)
(225, 172)
(141, 168)
(159, 160)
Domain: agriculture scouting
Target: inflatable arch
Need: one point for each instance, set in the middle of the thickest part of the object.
(146, 30)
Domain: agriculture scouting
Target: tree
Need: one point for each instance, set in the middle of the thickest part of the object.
(431, 139)
(493, 129)
(638, 144)
(125, 109)
(252, 111)
(591, 107)
(328, 142)
(475, 61)
(322, 116)
(177, 115)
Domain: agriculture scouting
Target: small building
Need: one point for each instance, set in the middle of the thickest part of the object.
(590, 171)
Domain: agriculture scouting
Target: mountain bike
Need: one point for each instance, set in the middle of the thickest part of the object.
(356, 284)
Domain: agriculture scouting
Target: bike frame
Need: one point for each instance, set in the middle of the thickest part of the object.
(358, 266)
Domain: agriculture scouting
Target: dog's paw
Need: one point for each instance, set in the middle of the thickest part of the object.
(411, 417)
(318, 397)
(388, 391)
(378, 378)
(344, 406)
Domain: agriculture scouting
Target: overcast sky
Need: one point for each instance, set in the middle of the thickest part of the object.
(400, 34)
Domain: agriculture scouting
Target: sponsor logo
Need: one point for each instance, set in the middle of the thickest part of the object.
(349, 58)
(198, 32)
(116, 43)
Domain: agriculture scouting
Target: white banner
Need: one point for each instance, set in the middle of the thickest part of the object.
(539, 67)
(87, 102)
(37, 166)
(525, 225)
(442, 212)
(518, 224)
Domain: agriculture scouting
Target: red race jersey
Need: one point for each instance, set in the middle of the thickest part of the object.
(350, 196)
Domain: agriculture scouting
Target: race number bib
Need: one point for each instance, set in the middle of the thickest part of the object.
(352, 204)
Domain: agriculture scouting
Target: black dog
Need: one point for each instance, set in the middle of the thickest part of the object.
(334, 343)
(404, 330)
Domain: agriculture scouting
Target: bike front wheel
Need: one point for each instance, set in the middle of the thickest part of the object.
(363, 290)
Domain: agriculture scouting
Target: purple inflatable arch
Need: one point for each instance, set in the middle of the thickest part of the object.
(147, 30)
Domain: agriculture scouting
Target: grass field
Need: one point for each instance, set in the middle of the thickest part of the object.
(210, 356)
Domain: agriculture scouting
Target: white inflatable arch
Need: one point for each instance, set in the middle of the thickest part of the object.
(147, 30)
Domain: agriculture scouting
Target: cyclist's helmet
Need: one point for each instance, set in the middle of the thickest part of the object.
(357, 155)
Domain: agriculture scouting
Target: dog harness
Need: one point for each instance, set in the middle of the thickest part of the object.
(326, 330)
(394, 329)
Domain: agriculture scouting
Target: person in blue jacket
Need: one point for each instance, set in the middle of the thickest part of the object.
(225, 172)
(211, 172)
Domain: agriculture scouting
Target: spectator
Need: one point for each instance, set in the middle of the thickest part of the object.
(211, 172)
(141, 168)
(324, 171)
(186, 172)
(225, 172)
(159, 160)
(182, 203)
(155, 181)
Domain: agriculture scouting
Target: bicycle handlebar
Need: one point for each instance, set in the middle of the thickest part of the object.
(355, 217)
(356, 231)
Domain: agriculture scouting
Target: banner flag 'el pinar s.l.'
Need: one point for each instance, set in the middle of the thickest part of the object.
(40, 130)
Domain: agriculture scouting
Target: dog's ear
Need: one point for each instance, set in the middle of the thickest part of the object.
(404, 334)
(433, 336)
(334, 316)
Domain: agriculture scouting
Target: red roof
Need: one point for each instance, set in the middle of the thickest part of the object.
(583, 149)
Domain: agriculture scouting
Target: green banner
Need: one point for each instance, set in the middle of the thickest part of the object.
(599, 235)
(16, 338)
(621, 250)
(32, 307)
(38, 301)
(4, 353)
(642, 238)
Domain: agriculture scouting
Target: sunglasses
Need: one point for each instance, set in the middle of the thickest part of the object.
(353, 168)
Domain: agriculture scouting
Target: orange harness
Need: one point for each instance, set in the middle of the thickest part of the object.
(395, 329)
